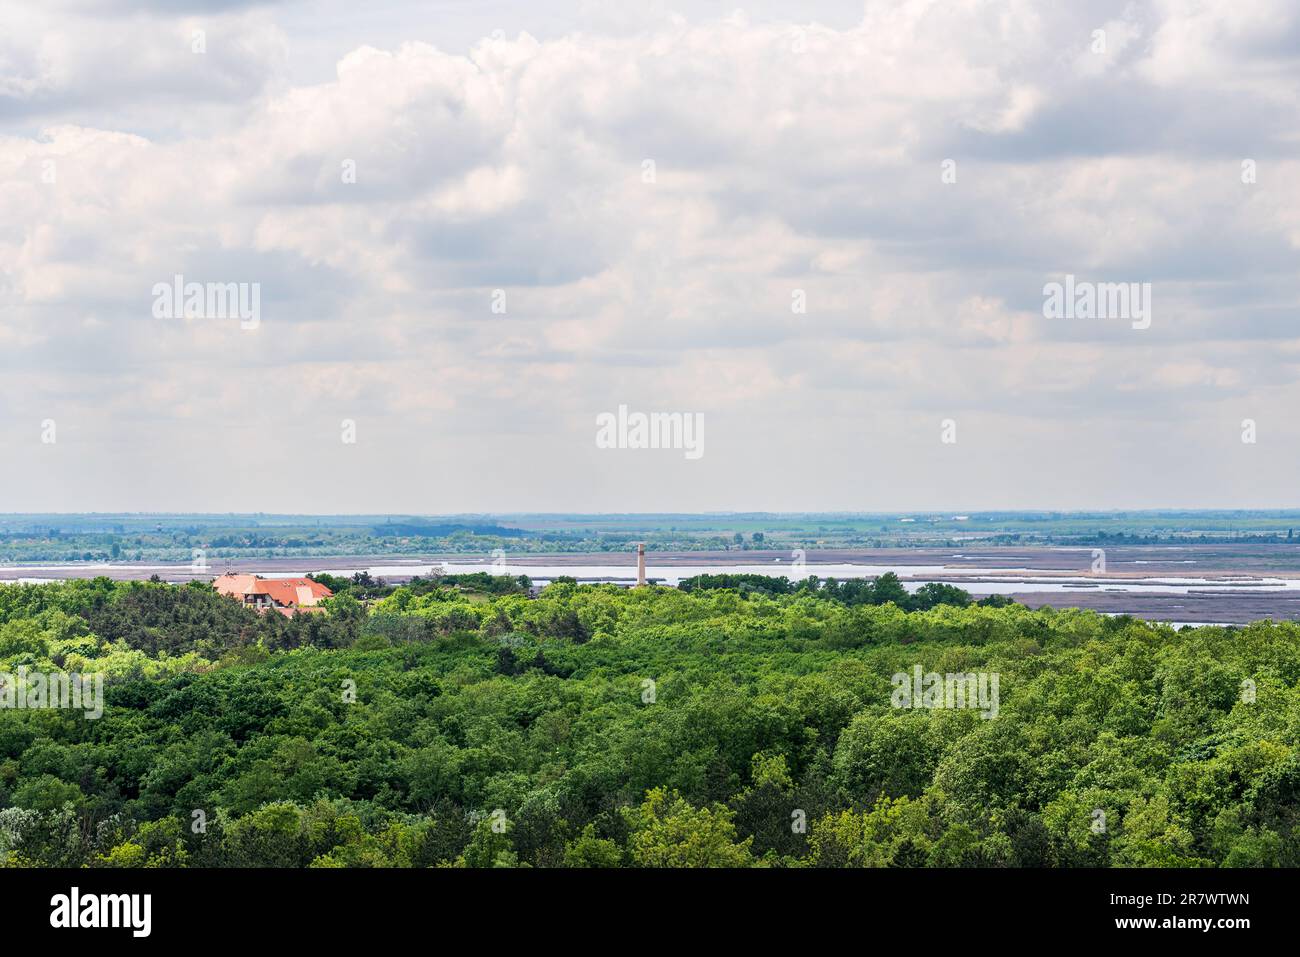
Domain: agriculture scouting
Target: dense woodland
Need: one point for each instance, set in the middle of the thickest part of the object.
(468, 723)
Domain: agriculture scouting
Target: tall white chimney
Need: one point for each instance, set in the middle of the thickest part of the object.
(640, 563)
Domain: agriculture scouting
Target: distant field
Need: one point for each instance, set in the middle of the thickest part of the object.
(175, 537)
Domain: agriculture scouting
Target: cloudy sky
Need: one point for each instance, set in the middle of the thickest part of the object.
(559, 209)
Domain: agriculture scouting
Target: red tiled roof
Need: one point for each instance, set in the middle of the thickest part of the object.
(293, 591)
(236, 586)
(289, 593)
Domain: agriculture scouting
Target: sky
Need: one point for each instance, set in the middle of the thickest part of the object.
(474, 230)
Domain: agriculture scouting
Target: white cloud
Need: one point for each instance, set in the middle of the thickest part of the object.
(786, 156)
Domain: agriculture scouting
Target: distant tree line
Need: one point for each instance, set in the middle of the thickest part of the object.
(884, 589)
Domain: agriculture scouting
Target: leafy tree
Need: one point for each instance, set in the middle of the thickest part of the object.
(666, 831)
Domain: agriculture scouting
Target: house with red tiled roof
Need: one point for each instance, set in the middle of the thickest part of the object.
(285, 595)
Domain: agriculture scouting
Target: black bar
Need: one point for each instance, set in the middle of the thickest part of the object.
(943, 907)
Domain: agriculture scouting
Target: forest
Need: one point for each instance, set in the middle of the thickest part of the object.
(471, 723)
